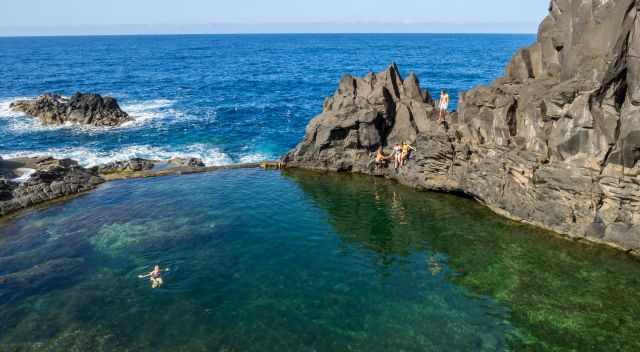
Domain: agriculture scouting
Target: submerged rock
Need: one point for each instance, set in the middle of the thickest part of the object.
(556, 142)
(52, 179)
(55, 272)
(84, 109)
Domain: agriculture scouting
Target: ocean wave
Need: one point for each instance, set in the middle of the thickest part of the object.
(18, 122)
(147, 110)
(254, 158)
(211, 156)
(5, 111)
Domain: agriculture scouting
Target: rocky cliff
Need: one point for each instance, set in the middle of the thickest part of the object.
(556, 142)
(84, 109)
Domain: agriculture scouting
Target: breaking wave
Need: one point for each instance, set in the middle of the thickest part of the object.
(87, 157)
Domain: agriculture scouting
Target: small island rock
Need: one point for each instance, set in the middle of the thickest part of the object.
(82, 109)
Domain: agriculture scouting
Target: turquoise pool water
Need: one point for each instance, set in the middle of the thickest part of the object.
(299, 261)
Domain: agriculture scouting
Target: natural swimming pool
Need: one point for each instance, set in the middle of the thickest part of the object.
(301, 261)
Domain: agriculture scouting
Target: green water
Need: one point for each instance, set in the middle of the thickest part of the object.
(264, 261)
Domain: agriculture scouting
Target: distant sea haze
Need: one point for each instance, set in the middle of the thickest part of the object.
(255, 28)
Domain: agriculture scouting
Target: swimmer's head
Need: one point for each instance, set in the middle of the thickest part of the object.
(156, 268)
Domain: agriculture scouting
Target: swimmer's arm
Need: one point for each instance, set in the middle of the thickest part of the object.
(151, 273)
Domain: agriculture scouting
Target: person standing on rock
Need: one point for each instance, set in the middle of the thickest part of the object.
(444, 105)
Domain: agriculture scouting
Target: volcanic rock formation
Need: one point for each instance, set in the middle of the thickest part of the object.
(556, 142)
(131, 165)
(51, 180)
(84, 109)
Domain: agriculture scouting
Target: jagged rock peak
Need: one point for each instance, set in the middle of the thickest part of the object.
(377, 110)
(387, 85)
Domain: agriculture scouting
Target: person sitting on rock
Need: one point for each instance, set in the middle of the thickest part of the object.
(397, 156)
(406, 151)
(380, 159)
(444, 106)
(155, 277)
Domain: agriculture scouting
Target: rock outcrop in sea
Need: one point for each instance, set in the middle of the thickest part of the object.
(83, 109)
(555, 143)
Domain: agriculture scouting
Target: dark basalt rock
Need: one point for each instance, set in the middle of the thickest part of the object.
(52, 179)
(132, 165)
(187, 162)
(84, 109)
(380, 109)
(6, 189)
(556, 142)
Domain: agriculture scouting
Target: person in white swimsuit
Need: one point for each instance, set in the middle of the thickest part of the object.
(397, 156)
(444, 105)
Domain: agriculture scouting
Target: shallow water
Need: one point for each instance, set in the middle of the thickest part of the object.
(266, 261)
(222, 98)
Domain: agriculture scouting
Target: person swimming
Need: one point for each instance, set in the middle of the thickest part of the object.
(155, 277)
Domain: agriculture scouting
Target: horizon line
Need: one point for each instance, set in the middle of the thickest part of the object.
(253, 33)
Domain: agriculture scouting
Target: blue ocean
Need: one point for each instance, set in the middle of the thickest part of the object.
(223, 98)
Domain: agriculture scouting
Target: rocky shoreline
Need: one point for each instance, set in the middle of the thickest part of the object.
(554, 143)
(51, 179)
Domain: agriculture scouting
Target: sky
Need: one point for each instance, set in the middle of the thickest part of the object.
(228, 16)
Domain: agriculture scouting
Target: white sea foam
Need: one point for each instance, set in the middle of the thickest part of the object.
(87, 157)
(145, 111)
(24, 173)
(18, 122)
(253, 158)
(5, 111)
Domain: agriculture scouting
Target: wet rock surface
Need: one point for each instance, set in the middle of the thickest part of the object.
(132, 165)
(83, 109)
(187, 162)
(556, 142)
(51, 180)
